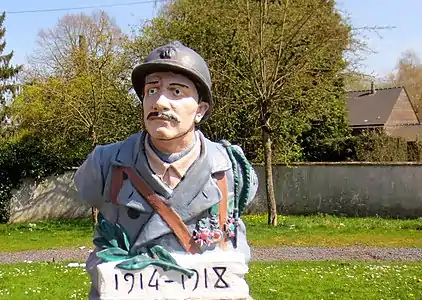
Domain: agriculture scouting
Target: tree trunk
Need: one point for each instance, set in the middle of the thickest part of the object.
(272, 208)
(94, 215)
(94, 210)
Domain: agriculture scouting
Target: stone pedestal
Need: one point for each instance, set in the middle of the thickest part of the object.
(218, 275)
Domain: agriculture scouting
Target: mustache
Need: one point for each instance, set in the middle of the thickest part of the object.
(165, 115)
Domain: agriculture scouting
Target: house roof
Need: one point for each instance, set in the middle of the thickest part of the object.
(367, 109)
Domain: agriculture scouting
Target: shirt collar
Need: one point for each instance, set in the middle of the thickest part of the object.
(180, 166)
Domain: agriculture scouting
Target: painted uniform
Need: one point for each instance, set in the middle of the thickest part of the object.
(190, 190)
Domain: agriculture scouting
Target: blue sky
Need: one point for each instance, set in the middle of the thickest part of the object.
(404, 15)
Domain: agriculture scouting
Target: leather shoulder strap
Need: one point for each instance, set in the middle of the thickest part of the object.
(172, 219)
(116, 183)
(222, 209)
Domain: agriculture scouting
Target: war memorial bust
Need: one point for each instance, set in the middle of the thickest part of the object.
(169, 199)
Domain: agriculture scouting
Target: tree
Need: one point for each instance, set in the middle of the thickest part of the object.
(77, 93)
(289, 63)
(275, 67)
(8, 73)
(77, 84)
(358, 82)
(409, 75)
(58, 49)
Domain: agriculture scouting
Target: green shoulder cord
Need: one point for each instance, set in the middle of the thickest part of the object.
(237, 158)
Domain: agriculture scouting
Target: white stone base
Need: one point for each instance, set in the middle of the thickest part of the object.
(219, 275)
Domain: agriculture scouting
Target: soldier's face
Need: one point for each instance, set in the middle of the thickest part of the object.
(171, 105)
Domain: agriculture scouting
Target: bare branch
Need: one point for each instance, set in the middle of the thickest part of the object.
(281, 42)
(250, 59)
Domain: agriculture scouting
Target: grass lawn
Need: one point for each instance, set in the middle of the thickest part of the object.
(291, 231)
(334, 231)
(281, 280)
(45, 235)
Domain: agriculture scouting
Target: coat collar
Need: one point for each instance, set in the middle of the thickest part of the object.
(196, 192)
(133, 146)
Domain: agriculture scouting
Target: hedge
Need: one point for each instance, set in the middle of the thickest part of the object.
(371, 147)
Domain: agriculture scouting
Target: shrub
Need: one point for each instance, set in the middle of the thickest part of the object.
(371, 146)
(26, 155)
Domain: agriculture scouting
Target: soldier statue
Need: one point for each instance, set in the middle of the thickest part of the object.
(168, 197)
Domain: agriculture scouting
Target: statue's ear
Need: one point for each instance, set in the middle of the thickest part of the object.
(200, 112)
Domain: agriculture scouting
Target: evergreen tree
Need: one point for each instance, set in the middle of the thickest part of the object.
(7, 72)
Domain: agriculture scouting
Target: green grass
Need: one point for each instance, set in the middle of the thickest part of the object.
(336, 280)
(278, 280)
(45, 235)
(318, 230)
(332, 231)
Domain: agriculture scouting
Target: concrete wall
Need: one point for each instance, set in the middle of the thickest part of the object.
(54, 198)
(350, 189)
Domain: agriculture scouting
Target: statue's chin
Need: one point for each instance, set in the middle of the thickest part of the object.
(162, 133)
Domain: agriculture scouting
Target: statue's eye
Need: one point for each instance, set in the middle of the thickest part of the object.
(152, 91)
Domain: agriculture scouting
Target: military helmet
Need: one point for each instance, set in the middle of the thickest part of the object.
(177, 58)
